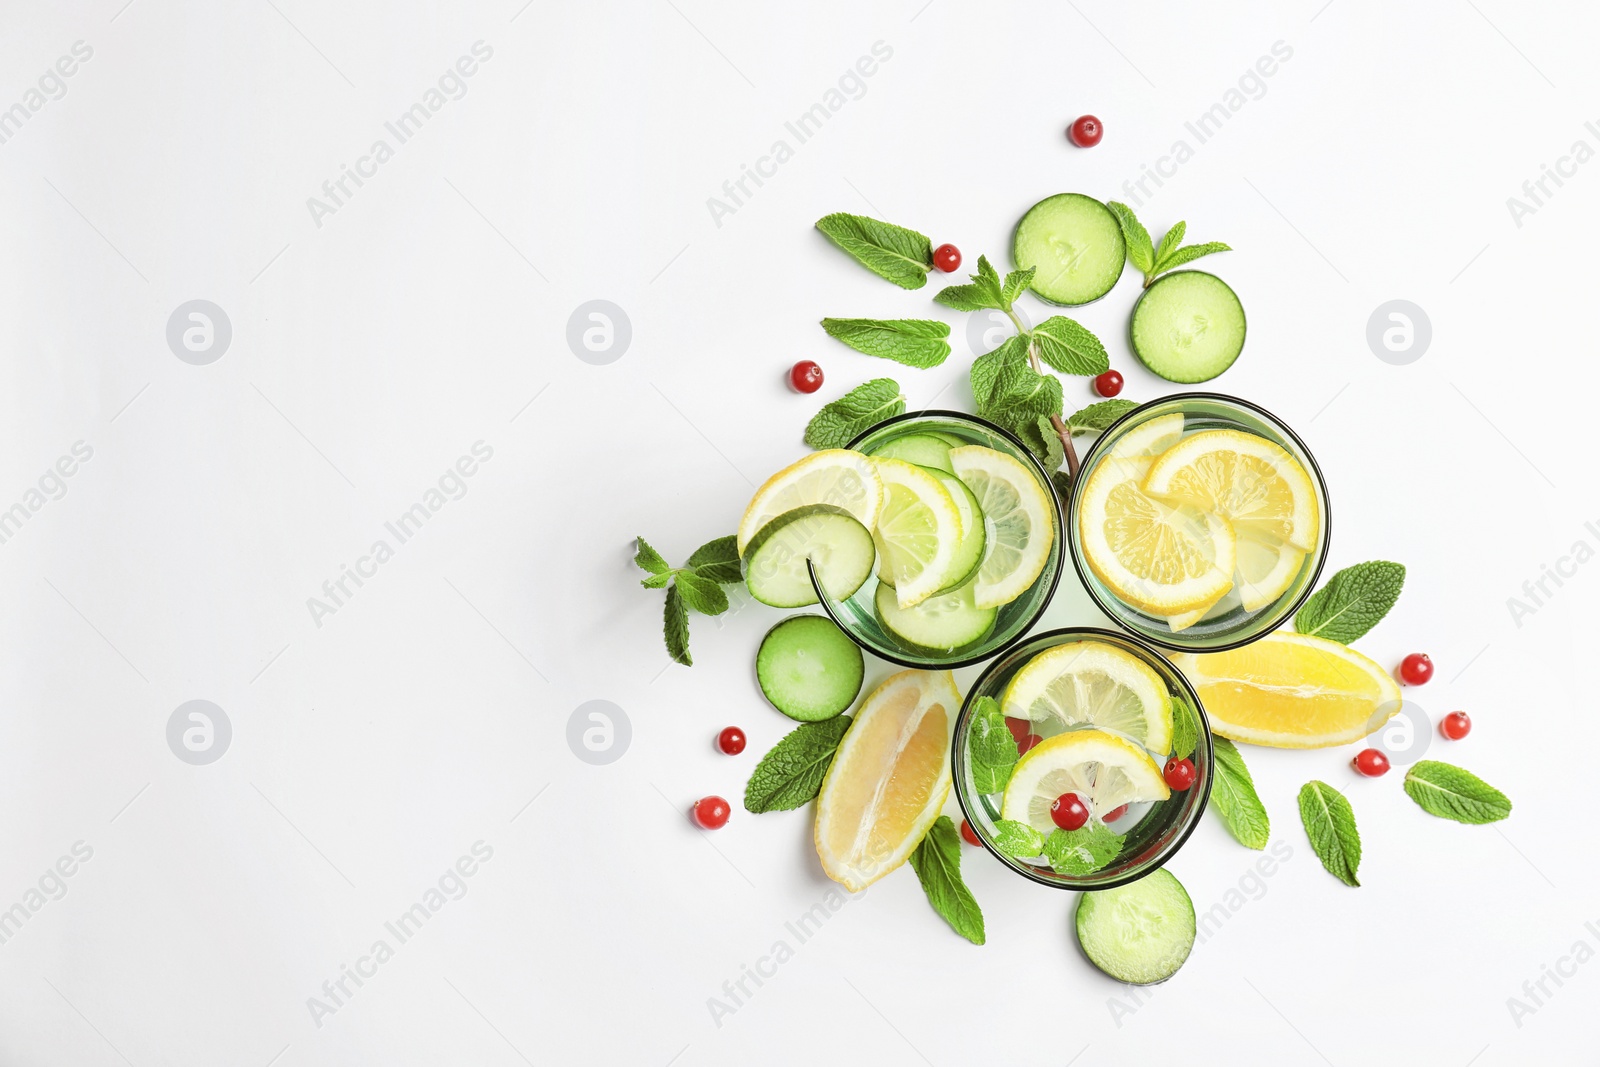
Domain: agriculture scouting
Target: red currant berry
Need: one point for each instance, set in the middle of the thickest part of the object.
(805, 376)
(731, 741)
(1115, 813)
(1456, 725)
(1371, 762)
(969, 835)
(1108, 384)
(1068, 812)
(1416, 668)
(947, 258)
(1027, 743)
(711, 813)
(1179, 774)
(1020, 728)
(1086, 131)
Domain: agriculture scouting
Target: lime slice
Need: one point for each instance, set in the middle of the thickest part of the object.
(1253, 483)
(1105, 770)
(1093, 683)
(837, 476)
(1018, 520)
(918, 532)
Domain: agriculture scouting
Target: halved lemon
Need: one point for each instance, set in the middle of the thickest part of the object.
(1253, 483)
(1105, 770)
(835, 476)
(918, 532)
(1093, 683)
(1018, 522)
(889, 778)
(1150, 438)
(1158, 557)
(1292, 691)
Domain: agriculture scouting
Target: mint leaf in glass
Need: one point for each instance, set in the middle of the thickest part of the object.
(1185, 728)
(914, 342)
(892, 252)
(1453, 793)
(1331, 826)
(937, 862)
(1017, 839)
(790, 775)
(991, 750)
(1233, 796)
(1082, 851)
(1353, 602)
(861, 408)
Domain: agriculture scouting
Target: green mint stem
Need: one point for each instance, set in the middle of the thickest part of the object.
(1056, 422)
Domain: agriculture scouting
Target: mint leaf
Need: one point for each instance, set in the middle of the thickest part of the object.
(1353, 602)
(790, 775)
(1452, 793)
(676, 624)
(718, 561)
(893, 252)
(937, 862)
(1019, 396)
(1331, 826)
(1097, 418)
(1063, 483)
(1185, 728)
(1016, 284)
(914, 342)
(1189, 254)
(1017, 839)
(861, 408)
(701, 594)
(1233, 796)
(1140, 254)
(648, 558)
(1170, 242)
(986, 291)
(991, 749)
(1069, 347)
(1054, 455)
(1082, 851)
(986, 368)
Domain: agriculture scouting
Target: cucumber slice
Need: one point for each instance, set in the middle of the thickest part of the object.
(948, 438)
(1138, 933)
(1188, 327)
(923, 449)
(808, 668)
(1075, 246)
(943, 622)
(775, 559)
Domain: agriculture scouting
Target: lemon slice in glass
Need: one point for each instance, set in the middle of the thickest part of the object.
(1093, 683)
(1018, 522)
(918, 531)
(1105, 770)
(836, 476)
(1150, 438)
(1253, 483)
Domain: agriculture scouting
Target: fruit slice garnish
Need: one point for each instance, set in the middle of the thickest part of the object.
(1018, 521)
(918, 531)
(1105, 770)
(1093, 683)
(1150, 438)
(1264, 569)
(1253, 483)
(1158, 557)
(1181, 622)
(889, 778)
(1292, 691)
(836, 476)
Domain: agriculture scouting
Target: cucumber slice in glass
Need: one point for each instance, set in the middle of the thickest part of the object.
(808, 668)
(1138, 933)
(1075, 246)
(1188, 326)
(943, 622)
(923, 449)
(775, 559)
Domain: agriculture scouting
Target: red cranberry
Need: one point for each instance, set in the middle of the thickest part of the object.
(1020, 728)
(1179, 774)
(1086, 131)
(805, 376)
(731, 741)
(947, 258)
(1027, 743)
(711, 813)
(1371, 762)
(1456, 725)
(1108, 384)
(1069, 812)
(969, 835)
(1416, 668)
(1115, 813)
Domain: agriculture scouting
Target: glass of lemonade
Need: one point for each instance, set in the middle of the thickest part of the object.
(1199, 522)
(957, 627)
(1061, 759)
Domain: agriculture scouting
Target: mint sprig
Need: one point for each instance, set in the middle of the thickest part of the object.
(861, 408)
(937, 862)
(986, 291)
(1453, 793)
(1154, 261)
(892, 252)
(1082, 851)
(790, 775)
(1233, 796)
(914, 342)
(1353, 602)
(1098, 417)
(1331, 827)
(991, 750)
(696, 586)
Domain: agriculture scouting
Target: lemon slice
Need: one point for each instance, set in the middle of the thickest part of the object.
(1018, 519)
(1092, 683)
(889, 778)
(1292, 691)
(1150, 438)
(1181, 622)
(836, 476)
(1105, 770)
(1256, 485)
(918, 532)
(1161, 558)
(1264, 570)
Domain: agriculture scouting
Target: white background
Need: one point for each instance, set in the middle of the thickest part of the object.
(372, 351)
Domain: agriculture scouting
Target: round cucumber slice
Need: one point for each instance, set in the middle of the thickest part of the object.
(808, 668)
(943, 622)
(1074, 245)
(775, 559)
(1188, 327)
(1138, 933)
(923, 449)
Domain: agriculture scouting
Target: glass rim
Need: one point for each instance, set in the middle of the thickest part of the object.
(1112, 611)
(1203, 738)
